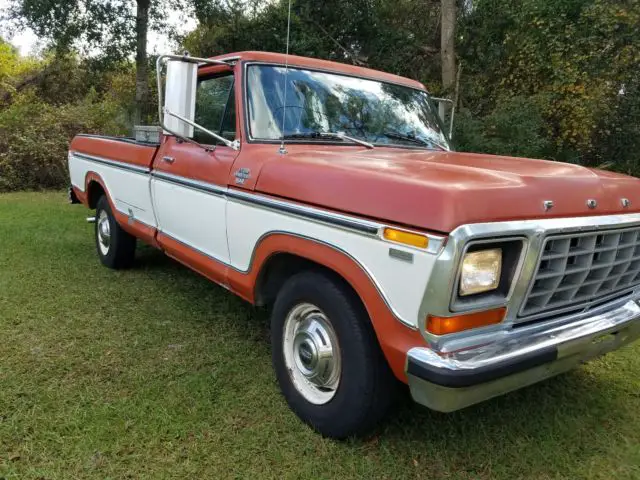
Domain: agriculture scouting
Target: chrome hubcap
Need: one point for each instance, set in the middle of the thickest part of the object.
(312, 353)
(104, 232)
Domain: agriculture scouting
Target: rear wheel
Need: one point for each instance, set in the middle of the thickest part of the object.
(327, 359)
(116, 248)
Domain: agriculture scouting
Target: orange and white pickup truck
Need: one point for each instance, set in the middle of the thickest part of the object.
(331, 194)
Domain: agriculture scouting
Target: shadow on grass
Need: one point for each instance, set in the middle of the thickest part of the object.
(575, 415)
(190, 285)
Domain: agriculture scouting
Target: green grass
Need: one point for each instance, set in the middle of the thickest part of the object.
(157, 373)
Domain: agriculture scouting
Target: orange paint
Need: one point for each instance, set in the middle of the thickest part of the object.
(194, 162)
(113, 149)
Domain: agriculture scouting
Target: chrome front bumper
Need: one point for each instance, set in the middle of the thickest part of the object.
(511, 359)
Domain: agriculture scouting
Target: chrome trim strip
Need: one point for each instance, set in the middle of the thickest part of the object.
(132, 141)
(352, 223)
(136, 219)
(110, 163)
(363, 226)
(232, 58)
(129, 205)
(283, 232)
(189, 183)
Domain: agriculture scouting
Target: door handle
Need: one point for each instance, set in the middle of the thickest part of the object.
(168, 159)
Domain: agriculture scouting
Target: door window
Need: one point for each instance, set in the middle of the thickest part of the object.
(215, 108)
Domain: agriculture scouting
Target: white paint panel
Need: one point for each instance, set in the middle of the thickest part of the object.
(129, 190)
(193, 217)
(402, 283)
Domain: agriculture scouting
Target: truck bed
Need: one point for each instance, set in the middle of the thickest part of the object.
(121, 149)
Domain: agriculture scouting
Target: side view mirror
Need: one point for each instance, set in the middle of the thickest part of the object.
(180, 97)
(442, 111)
(178, 115)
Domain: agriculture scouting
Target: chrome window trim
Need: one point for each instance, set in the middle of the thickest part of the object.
(437, 297)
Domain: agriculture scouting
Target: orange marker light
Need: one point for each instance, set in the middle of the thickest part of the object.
(408, 238)
(459, 323)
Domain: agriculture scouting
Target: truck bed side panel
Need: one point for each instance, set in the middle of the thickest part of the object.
(119, 149)
(123, 168)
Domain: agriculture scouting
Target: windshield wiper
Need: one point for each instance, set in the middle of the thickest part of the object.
(340, 135)
(411, 138)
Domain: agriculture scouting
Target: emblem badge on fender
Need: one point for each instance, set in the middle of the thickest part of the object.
(242, 174)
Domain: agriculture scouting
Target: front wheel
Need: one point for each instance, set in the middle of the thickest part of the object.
(116, 248)
(327, 359)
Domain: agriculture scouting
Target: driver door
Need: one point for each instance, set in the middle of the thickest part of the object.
(189, 181)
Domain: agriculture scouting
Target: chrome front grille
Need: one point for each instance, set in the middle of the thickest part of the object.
(581, 268)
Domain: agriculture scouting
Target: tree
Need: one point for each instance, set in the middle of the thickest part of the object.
(575, 64)
(399, 36)
(107, 28)
(142, 82)
(447, 44)
(447, 48)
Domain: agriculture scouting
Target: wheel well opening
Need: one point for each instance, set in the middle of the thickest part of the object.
(94, 192)
(280, 267)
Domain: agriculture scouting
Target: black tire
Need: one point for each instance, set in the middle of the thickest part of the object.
(366, 386)
(120, 252)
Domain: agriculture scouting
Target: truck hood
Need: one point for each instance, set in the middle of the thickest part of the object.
(439, 191)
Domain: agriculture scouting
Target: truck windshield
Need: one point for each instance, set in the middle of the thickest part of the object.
(318, 103)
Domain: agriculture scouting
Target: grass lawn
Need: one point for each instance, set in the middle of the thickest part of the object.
(157, 373)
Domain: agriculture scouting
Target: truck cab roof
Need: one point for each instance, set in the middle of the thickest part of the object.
(295, 61)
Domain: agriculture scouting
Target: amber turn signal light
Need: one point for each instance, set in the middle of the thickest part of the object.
(459, 323)
(408, 238)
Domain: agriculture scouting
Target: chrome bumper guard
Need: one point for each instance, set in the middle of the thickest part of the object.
(518, 357)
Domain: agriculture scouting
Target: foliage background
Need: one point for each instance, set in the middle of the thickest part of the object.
(554, 79)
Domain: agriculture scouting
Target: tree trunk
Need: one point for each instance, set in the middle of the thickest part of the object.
(142, 86)
(447, 48)
(448, 44)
